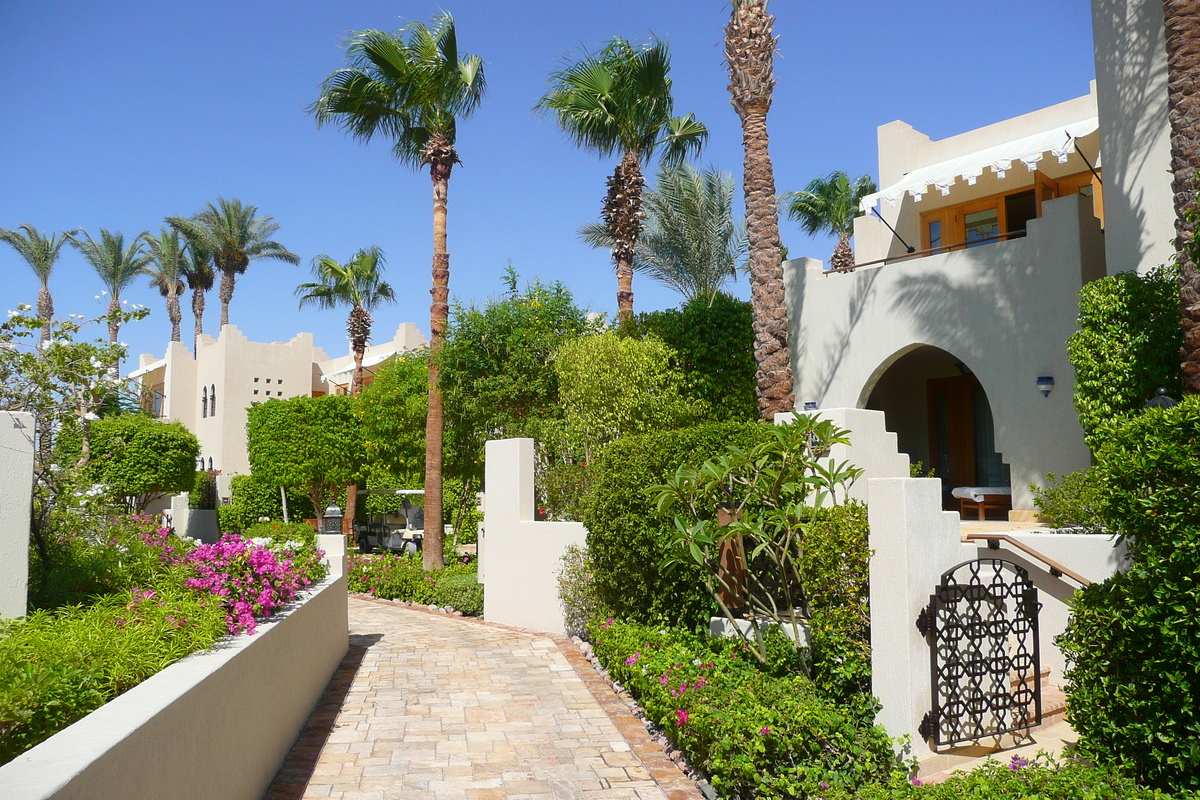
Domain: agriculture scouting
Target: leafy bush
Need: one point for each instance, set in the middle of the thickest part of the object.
(137, 457)
(401, 577)
(629, 539)
(758, 731)
(1127, 345)
(61, 665)
(462, 592)
(1071, 501)
(1016, 778)
(252, 499)
(301, 533)
(577, 591)
(715, 348)
(203, 495)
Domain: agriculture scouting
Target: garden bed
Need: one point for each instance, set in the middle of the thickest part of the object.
(215, 725)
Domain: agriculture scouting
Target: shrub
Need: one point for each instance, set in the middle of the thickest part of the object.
(401, 577)
(1071, 501)
(137, 458)
(1127, 345)
(301, 534)
(629, 539)
(203, 495)
(1015, 778)
(252, 499)
(577, 591)
(461, 592)
(758, 731)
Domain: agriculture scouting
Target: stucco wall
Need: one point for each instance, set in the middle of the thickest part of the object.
(216, 725)
(1131, 76)
(518, 557)
(1005, 310)
(16, 476)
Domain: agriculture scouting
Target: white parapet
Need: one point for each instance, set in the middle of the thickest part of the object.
(16, 476)
(873, 448)
(334, 545)
(519, 557)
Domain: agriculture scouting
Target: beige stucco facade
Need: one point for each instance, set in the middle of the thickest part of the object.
(211, 391)
(907, 333)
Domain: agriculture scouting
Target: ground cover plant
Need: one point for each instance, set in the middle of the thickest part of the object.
(402, 577)
(757, 729)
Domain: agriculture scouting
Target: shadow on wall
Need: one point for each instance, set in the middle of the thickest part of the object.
(838, 342)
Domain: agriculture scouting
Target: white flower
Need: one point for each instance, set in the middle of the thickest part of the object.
(91, 416)
(260, 541)
(12, 314)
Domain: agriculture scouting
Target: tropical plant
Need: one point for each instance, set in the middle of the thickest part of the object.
(413, 93)
(749, 54)
(41, 253)
(235, 235)
(166, 271)
(618, 101)
(1182, 19)
(359, 284)
(830, 205)
(198, 271)
(138, 458)
(690, 242)
(117, 264)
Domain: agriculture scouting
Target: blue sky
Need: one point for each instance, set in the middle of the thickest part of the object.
(118, 114)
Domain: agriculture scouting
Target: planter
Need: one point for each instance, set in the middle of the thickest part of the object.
(215, 725)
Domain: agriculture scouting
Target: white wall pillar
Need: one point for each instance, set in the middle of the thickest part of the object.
(519, 558)
(334, 545)
(16, 476)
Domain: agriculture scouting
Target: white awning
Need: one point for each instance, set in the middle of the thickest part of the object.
(140, 371)
(1058, 142)
(343, 375)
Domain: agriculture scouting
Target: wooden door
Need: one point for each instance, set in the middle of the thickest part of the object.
(952, 431)
(1047, 189)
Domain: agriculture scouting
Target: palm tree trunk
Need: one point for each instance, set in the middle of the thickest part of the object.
(198, 313)
(843, 254)
(45, 312)
(622, 213)
(114, 324)
(174, 314)
(1182, 20)
(439, 310)
(355, 391)
(749, 53)
(226, 294)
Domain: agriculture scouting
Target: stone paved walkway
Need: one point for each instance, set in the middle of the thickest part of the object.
(430, 706)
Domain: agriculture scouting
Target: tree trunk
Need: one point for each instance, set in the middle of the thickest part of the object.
(843, 254)
(198, 313)
(114, 324)
(1182, 20)
(174, 314)
(439, 309)
(45, 312)
(227, 280)
(622, 214)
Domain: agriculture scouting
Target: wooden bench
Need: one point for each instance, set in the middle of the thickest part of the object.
(989, 500)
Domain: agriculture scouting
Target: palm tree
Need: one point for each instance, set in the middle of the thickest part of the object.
(198, 272)
(618, 101)
(41, 253)
(117, 264)
(359, 284)
(413, 93)
(168, 263)
(830, 205)
(690, 241)
(235, 235)
(749, 54)
(1182, 19)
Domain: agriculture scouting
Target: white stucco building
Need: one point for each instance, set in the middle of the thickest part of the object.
(958, 339)
(210, 392)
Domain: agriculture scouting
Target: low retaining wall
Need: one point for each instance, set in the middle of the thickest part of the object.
(215, 725)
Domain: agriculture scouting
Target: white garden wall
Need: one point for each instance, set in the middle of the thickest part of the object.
(16, 476)
(214, 726)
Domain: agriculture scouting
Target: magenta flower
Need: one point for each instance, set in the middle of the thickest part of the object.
(681, 717)
(764, 731)
(633, 659)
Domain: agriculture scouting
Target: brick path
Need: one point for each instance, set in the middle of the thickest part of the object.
(430, 706)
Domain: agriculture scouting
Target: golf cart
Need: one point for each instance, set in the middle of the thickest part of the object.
(403, 535)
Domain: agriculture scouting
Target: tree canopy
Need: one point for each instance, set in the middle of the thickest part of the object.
(137, 457)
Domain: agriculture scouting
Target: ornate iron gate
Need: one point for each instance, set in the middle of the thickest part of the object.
(985, 662)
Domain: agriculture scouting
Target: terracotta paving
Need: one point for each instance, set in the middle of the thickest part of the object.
(430, 706)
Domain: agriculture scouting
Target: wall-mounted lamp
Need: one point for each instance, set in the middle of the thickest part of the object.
(1045, 385)
(810, 405)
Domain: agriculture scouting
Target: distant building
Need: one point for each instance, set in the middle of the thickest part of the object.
(210, 392)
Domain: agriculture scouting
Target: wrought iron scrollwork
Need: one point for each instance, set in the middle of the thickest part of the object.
(985, 661)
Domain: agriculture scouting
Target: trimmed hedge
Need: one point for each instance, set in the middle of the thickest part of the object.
(401, 577)
(629, 540)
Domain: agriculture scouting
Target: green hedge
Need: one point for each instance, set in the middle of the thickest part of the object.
(401, 577)
(757, 732)
(628, 539)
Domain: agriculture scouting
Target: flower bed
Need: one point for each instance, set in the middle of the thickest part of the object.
(401, 577)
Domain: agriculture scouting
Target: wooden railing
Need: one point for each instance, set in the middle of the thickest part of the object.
(1056, 569)
(933, 251)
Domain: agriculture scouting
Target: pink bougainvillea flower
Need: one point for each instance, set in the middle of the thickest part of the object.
(663, 679)
(764, 731)
(633, 659)
(681, 717)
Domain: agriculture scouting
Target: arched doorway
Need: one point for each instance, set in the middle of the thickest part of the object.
(941, 416)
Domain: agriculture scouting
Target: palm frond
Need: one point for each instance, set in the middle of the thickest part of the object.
(39, 251)
(830, 204)
(115, 262)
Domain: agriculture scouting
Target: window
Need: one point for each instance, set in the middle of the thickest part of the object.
(981, 225)
(256, 380)
(210, 466)
(256, 391)
(204, 403)
(212, 401)
(268, 380)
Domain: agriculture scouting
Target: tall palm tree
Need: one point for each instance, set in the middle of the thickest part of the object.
(1182, 19)
(749, 54)
(618, 101)
(690, 241)
(166, 270)
(235, 235)
(358, 284)
(830, 205)
(198, 272)
(41, 254)
(117, 264)
(413, 93)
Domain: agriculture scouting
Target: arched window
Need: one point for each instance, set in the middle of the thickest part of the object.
(204, 403)
(212, 400)
(201, 463)
(210, 463)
